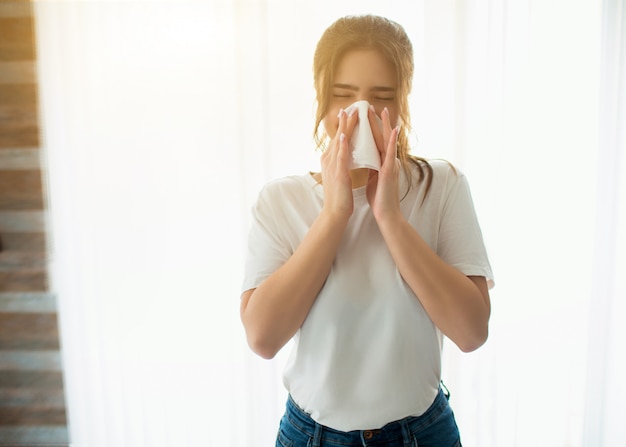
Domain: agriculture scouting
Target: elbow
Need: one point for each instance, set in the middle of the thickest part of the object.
(472, 343)
(261, 342)
(261, 346)
(476, 333)
(258, 340)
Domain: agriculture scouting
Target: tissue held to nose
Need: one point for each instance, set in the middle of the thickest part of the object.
(364, 151)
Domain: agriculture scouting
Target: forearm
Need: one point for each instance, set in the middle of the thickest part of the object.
(453, 301)
(273, 312)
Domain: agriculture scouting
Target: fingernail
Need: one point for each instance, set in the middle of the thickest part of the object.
(386, 111)
(373, 109)
(340, 112)
(342, 137)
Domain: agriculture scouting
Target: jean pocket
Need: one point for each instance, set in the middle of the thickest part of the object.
(282, 440)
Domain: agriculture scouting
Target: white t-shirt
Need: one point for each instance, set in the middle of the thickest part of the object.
(367, 353)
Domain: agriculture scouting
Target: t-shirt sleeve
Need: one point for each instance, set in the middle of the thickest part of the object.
(461, 241)
(267, 250)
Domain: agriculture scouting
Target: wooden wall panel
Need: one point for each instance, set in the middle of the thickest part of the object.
(28, 331)
(32, 403)
(30, 242)
(18, 116)
(21, 190)
(17, 72)
(17, 39)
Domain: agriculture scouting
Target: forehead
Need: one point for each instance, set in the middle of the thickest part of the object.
(366, 66)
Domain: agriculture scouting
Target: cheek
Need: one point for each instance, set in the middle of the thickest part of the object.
(393, 117)
(331, 122)
(393, 113)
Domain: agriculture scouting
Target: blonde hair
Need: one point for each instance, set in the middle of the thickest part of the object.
(389, 38)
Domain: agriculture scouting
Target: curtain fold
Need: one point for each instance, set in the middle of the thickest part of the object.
(605, 392)
(138, 104)
(162, 120)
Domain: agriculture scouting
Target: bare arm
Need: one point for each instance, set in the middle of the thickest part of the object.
(458, 305)
(273, 312)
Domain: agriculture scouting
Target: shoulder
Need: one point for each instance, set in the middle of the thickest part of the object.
(293, 185)
(446, 178)
(445, 171)
(436, 175)
(288, 194)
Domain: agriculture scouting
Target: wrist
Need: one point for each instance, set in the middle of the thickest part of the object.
(390, 221)
(335, 217)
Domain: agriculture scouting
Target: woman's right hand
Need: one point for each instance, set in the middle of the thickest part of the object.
(335, 163)
(274, 311)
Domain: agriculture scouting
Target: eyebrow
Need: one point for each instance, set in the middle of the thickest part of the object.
(356, 89)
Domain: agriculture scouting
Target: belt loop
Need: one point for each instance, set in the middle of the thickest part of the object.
(317, 435)
(446, 391)
(406, 433)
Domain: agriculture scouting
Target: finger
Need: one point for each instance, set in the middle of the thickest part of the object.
(390, 153)
(343, 156)
(342, 122)
(340, 126)
(334, 144)
(347, 123)
(351, 121)
(372, 177)
(386, 125)
(377, 132)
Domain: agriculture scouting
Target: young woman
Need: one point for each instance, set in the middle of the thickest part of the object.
(366, 269)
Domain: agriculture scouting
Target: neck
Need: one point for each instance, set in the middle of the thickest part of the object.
(359, 177)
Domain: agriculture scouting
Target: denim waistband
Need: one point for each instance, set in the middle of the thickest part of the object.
(391, 432)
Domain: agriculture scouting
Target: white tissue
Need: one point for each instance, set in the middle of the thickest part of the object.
(364, 151)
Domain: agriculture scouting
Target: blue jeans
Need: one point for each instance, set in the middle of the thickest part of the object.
(435, 428)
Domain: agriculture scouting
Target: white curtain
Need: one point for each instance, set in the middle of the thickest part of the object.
(162, 119)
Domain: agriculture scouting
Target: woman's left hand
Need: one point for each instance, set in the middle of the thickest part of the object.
(382, 186)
